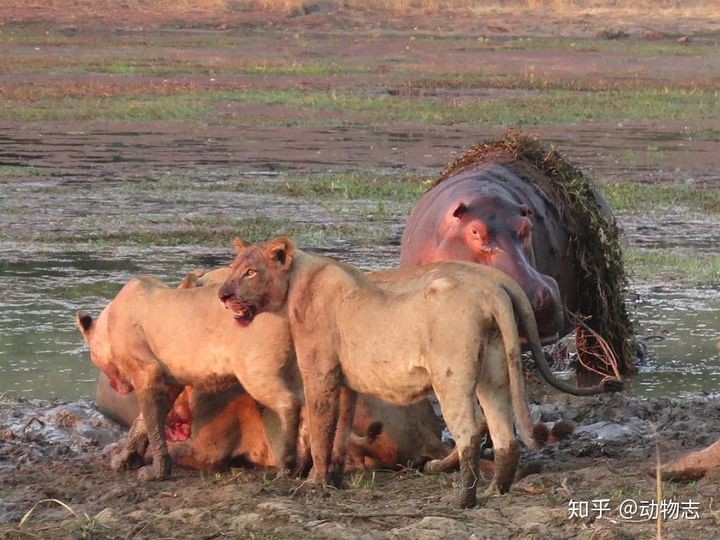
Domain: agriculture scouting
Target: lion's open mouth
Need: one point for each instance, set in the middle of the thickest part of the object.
(244, 315)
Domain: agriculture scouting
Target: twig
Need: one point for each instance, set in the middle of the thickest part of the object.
(33, 419)
(294, 490)
(354, 515)
(56, 501)
(20, 531)
(658, 482)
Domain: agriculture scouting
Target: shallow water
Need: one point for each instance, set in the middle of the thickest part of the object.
(681, 329)
(49, 270)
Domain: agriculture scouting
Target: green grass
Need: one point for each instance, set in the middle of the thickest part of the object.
(689, 267)
(122, 108)
(167, 66)
(710, 134)
(517, 109)
(345, 185)
(631, 47)
(162, 62)
(81, 291)
(624, 197)
(10, 172)
(217, 230)
(551, 107)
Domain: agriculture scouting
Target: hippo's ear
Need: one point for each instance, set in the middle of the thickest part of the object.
(460, 210)
(525, 210)
(239, 245)
(281, 250)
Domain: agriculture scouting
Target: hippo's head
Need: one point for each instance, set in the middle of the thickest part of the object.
(497, 232)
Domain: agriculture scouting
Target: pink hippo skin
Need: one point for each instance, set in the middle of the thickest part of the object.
(491, 216)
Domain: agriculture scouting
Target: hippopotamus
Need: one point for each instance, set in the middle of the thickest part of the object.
(491, 216)
(497, 209)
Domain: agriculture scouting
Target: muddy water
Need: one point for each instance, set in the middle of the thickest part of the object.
(49, 269)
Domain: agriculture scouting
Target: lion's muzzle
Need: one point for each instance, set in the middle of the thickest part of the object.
(243, 312)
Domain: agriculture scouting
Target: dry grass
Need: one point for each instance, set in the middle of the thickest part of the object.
(688, 7)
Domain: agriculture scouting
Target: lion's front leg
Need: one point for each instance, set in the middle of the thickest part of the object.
(270, 389)
(155, 405)
(132, 453)
(346, 414)
(322, 397)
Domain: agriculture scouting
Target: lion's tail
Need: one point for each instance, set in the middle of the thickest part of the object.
(526, 318)
(505, 318)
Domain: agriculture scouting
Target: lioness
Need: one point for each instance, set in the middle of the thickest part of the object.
(692, 465)
(152, 338)
(225, 421)
(213, 431)
(435, 331)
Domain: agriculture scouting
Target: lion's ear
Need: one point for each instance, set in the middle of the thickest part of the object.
(239, 245)
(281, 250)
(85, 324)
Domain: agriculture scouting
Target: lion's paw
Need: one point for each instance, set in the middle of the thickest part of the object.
(434, 466)
(125, 460)
(149, 473)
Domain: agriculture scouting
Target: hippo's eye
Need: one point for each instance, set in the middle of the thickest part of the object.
(474, 232)
(250, 273)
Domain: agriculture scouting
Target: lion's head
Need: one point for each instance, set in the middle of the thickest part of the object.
(258, 278)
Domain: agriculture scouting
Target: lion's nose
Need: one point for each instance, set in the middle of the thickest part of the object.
(225, 292)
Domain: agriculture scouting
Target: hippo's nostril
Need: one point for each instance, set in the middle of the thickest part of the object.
(541, 299)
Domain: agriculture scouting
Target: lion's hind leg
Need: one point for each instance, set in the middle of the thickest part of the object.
(493, 393)
(455, 389)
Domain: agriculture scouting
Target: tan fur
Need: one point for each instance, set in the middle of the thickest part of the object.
(225, 423)
(151, 338)
(692, 465)
(441, 327)
(230, 427)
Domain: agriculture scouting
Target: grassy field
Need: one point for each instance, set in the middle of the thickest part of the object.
(412, 76)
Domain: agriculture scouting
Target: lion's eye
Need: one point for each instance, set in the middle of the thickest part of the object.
(250, 273)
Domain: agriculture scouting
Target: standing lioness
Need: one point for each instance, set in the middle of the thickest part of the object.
(442, 329)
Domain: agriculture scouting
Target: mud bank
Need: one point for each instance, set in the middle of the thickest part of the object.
(56, 450)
